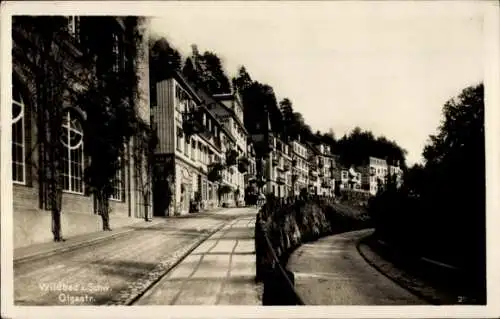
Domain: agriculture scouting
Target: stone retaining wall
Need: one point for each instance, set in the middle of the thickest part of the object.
(284, 224)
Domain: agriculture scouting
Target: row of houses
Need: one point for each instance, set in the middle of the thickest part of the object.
(296, 166)
(205, 157)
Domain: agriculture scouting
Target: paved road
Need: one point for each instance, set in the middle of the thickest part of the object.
(114, 270)
(331, 271)
(221, 271)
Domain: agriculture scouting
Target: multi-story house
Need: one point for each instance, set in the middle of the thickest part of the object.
(30, 158)
(326, 165)
(251, 175)
(271, 172)
(231, 192)
(300, 165)
(346, 178)
(229, 111)
(191, 151)
(263, 144)
(314, 177)
(282, 167)
(376, 173)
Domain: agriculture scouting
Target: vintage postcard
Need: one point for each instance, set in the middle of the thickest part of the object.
(301, 159)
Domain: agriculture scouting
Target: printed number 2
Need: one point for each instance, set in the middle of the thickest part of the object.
(461, 299)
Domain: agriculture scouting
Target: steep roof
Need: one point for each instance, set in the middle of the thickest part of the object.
(202, 98)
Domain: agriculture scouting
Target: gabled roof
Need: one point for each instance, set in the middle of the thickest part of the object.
(312, 147)
(203, 99)
(230, 97)
(187, 86)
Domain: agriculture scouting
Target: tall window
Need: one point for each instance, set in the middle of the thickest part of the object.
(74, 27)
(72, 156)
(116, 53)
(18, 141)
(118, 183)
(179, 139)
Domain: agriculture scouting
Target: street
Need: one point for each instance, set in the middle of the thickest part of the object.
(220, 271)
(330, 271)
(117, 271)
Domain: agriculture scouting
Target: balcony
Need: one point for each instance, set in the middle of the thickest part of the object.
(286, 167)
(192, 122)
(313, 178)
(243, 164)
(231, 157)
(215, 172)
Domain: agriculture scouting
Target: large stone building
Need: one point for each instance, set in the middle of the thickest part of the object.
(202, 151)
(67, 59)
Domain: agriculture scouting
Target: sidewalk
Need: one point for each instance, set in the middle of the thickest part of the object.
(221, 271)
(46, 249)
(113, 271)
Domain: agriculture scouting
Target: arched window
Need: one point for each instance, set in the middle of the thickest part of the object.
(18, 141)
(72, 156)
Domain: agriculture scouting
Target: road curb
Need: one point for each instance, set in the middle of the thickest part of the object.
(137, 289)
(57, 250)
(425, 297)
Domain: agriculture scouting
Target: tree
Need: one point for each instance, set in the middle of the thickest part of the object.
(206, 72)
(189, 71)
(242, 81)
(164, 60)
(111, 104)
(355, 148)
(293, 122)
(414, 179)
(444, 200)
(143, 145)
(455, 157)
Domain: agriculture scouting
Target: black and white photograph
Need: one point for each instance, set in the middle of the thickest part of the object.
(268, 154)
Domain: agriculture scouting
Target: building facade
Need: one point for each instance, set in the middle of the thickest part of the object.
(229, 111)
(376, 173)
(300, 164)
(326, 165)
(31, 79)
(191, 151)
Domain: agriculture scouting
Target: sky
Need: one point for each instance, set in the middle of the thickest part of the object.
(386, 66)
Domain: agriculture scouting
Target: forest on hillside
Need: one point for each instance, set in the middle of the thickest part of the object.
(206, 72)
